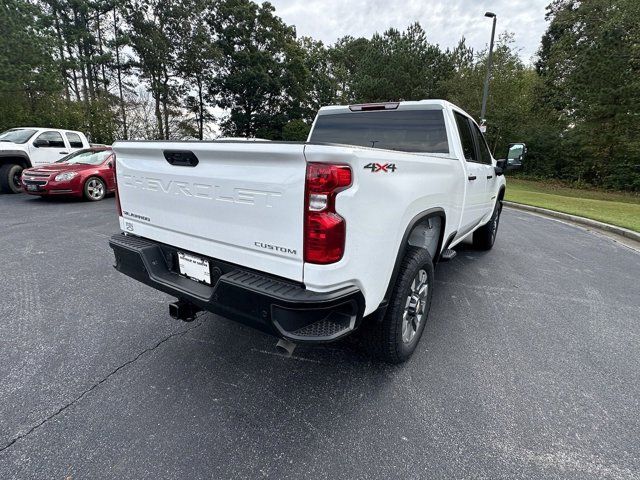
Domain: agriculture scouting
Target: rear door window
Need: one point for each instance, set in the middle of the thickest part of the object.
(421, 131)
(74, 140)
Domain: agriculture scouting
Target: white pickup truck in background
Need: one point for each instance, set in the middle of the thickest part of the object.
(311, 241)
(29, 147)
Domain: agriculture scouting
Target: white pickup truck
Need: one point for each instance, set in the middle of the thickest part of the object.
(29, 147)
(311, 241)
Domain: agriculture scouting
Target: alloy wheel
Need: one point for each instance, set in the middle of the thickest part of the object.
(95, 189)
(414, 310)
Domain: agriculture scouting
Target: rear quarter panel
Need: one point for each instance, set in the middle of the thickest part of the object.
(378, 208)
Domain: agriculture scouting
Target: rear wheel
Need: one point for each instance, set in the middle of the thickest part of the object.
(395, 338)
(94, 189)
(11, 178)
(485, 236)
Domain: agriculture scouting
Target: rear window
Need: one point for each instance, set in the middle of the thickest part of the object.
(403, 130)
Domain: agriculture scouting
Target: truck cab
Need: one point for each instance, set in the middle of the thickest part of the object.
(28, 147)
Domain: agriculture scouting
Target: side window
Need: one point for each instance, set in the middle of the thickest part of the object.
(54, 138)
(74, 140)
(466, 137)
(485, 156)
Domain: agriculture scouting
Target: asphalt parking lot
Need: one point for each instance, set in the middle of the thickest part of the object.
(529, 368)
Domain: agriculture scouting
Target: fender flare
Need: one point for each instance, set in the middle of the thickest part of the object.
(24, 156)
(430, 213)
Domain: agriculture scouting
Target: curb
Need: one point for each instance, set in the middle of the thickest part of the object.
(624, 232)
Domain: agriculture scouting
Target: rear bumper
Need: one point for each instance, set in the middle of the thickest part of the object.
(275, 306)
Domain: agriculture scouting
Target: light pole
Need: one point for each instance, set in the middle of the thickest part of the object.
(489, 59)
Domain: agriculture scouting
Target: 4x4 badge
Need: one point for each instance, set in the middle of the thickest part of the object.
(380, 167)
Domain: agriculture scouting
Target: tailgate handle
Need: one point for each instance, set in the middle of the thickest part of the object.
(181, 158)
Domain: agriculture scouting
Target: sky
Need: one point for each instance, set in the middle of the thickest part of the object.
(445, 21)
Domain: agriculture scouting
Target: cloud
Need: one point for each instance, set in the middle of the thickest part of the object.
(445, 21)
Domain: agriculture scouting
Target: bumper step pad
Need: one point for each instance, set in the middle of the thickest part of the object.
(331, 327)
(271, 304)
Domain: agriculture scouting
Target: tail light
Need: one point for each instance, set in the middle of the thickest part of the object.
(115, 181)
(324, 229)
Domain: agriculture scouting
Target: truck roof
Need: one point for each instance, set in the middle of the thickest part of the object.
(47, 128)
(425, 104)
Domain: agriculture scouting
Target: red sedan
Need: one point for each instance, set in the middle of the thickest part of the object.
(87, 173)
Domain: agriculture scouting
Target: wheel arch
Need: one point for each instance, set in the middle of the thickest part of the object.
(92, 175)
(16, 157)
(417, 223)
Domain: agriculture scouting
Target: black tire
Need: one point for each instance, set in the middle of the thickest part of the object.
(10, 175)
(94, 189)
(485, 236)
(386, 340)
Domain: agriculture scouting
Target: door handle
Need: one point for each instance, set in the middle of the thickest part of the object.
(472, 177)
(63, 153)
(181, 158)
(489, 176)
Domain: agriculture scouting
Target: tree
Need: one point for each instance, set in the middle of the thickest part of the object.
(296, 130)
(590, 70)
(321, 86)
(156, 68)
(346, 56)
(510, 103)
(261, 74)
(29, 76)
(197, 58)
(78, 60)
(116, 44)
(392, 66)
(152, 25)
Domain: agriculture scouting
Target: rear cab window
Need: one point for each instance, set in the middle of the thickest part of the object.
(418, 130)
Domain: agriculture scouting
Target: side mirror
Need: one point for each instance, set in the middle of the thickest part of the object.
(515, 156)
(39, 142)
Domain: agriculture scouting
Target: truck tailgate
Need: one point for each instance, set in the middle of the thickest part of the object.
(242, 202)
